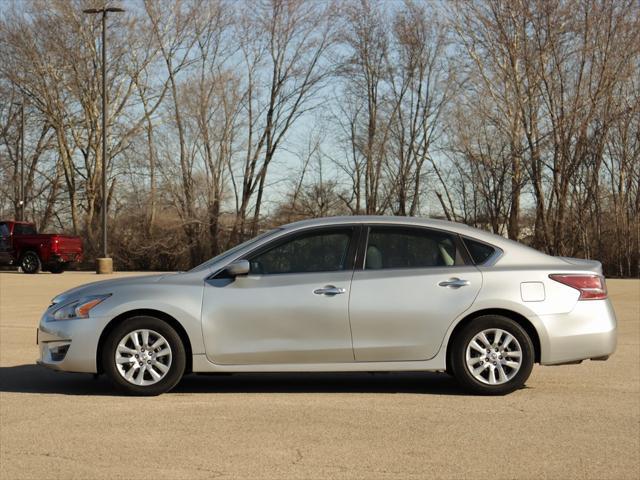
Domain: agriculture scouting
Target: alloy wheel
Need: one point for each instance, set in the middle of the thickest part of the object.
(29, 263)
(143, 357)
(493, 356)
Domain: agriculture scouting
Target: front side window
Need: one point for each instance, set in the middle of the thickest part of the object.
(4, 230)
(324, 251)
(410, 248)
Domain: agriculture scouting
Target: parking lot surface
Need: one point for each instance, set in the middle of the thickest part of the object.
(577, 421)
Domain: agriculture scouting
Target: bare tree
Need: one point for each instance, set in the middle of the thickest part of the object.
(421, 84)
(283, 43)
(520, 117)
(368, 109)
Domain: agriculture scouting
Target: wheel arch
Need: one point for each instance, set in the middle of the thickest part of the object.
(20, 254)
(520, 319)
(175, 324)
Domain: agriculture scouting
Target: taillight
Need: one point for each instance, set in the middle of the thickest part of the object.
(54, 245)
(591, 287)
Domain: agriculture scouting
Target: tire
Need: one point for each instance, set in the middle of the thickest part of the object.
(500, 375)
(57, 268)
(120, 344)
(30, 263)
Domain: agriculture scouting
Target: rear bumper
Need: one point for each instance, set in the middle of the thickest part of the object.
(65, 258)
(587, 332)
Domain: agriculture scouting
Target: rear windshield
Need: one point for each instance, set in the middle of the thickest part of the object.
(24, 229)
(480, 252)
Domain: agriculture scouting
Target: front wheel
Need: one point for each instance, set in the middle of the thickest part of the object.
(144, 356)
(493, 355)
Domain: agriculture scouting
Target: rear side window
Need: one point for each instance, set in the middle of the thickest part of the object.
(324, 251)
(410, 248)
(480, 252)
(22, 229)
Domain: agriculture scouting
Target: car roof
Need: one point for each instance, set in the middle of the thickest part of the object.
(514, 252)
(390, 220)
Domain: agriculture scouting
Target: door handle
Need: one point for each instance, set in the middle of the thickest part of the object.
(455, 283)
(329, 290)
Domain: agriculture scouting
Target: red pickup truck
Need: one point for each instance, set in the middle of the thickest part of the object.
(22, 245)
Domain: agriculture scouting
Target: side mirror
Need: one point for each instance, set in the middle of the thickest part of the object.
(239, 267)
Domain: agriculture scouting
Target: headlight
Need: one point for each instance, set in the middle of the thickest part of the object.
(78, 308)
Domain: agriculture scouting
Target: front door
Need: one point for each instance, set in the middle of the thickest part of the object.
(415, 282)
(5, 244)
(291, 308)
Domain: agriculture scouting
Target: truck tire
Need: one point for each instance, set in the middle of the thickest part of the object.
(57, 268)
(30, 263)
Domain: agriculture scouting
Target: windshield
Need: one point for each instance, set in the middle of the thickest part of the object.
(206, 265)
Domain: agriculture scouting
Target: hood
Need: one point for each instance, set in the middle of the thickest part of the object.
(105, 286)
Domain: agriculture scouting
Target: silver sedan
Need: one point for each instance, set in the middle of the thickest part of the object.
(341, 294)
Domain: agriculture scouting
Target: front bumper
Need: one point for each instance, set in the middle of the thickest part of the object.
(587, 332)
(70, 345)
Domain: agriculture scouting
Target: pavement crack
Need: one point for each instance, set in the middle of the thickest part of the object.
(298, 458)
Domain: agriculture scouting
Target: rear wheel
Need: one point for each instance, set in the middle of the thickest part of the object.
(493, 355)
(30, 263)
(57, 268)
(144, 356)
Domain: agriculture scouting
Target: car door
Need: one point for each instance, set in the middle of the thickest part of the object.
(5, 244)
(292, 307)
(412, 283)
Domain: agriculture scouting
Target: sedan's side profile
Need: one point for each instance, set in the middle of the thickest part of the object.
(341, 294)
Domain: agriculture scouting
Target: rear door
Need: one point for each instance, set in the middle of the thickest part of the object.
(412, 283)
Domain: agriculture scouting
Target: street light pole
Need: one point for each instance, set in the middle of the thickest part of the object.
(104, 264)
(22, 200)
(20, 157)
(105, 253)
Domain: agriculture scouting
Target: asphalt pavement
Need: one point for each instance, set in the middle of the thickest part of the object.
(576, 421)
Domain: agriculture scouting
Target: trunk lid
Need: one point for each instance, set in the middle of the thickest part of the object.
(592, 265)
